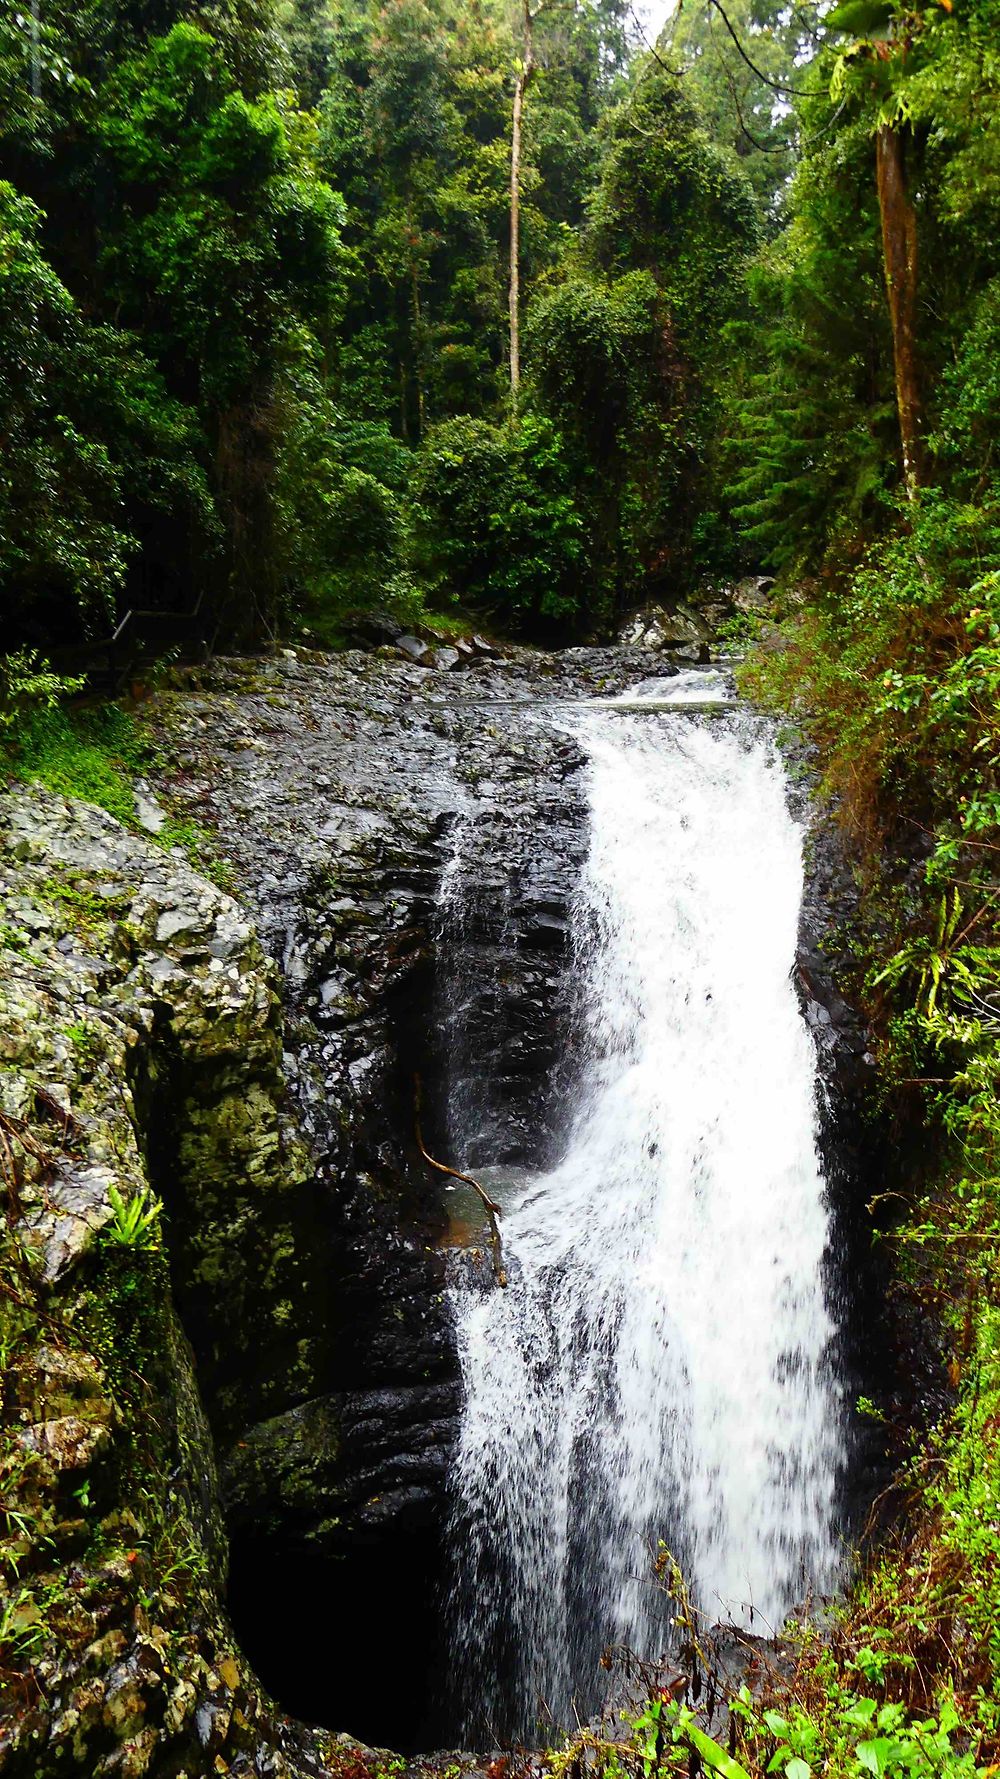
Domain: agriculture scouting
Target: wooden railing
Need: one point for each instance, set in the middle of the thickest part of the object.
(142, 636)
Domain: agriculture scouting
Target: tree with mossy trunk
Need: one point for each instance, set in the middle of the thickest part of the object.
(884, 37)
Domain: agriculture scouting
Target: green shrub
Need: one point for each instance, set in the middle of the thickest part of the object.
(91, 754)
(28, 686)
(135, 1222)
(496, 524)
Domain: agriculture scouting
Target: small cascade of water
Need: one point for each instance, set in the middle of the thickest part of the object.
(660, 1365)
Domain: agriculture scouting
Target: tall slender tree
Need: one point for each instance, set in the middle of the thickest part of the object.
(898, 218)
(884, 35)
(525, 70)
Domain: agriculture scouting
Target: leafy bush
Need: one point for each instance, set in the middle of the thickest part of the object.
(91, 754)
(894, 667)
(339, 489)
(27, 686)
(60, 496)
(99, 459)
(605, 366)
(135, 1221)
(496, 523)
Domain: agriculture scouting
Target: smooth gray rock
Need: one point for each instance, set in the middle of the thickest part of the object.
(751, 594)
(657, 627)
(148, 814)
(412, 647)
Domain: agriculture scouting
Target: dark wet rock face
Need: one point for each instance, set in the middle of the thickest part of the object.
(504, 982)
(356, 796)
(409, 838)
(345, 791)
(857, 1154)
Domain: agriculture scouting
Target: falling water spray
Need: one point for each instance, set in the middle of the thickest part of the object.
(660, 1366)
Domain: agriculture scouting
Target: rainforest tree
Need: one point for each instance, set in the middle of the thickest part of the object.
(274, 251)
(166, 211)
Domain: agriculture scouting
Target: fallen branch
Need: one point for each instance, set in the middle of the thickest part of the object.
(9, 1171)
(490, 1206)
(16, 1130)
(70, 1122)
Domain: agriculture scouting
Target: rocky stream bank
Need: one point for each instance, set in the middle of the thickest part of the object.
(238, 1412)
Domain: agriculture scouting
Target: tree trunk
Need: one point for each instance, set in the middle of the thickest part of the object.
(418, 322)
(524, 75)
(418, 331)
(899, 251)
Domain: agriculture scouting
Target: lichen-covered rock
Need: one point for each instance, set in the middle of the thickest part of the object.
(134, 1000)
(676, 627)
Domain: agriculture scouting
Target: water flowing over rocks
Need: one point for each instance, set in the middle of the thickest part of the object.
(341, 831)
(611, 1399)
(255, 1057)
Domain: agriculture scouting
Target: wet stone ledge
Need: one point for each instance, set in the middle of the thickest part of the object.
(339, 787)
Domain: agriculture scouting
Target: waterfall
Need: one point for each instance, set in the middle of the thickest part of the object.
(660, 1366)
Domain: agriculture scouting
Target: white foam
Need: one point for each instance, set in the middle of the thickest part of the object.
(659, 1365)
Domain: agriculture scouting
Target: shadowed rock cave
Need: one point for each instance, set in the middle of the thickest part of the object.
(335, 1492)
(344, 1621)
(353, 1643)
(327, 1369)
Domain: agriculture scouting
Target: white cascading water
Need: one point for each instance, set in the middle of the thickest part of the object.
(660, 1364)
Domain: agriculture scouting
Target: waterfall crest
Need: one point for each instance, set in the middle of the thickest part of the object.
(659, 1367)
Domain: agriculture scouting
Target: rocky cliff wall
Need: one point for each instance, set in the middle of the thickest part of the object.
(140, 1034)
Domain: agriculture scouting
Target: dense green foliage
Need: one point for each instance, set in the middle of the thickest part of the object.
(740, 69)
(166, 243)
(497, 520)
(254, 269)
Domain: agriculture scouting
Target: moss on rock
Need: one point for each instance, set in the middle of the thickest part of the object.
(140, 1044)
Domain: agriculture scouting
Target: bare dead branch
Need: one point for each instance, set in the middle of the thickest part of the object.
(490, 1206)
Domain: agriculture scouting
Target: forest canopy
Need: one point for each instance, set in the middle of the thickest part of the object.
(256, 290)
(331, 306)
